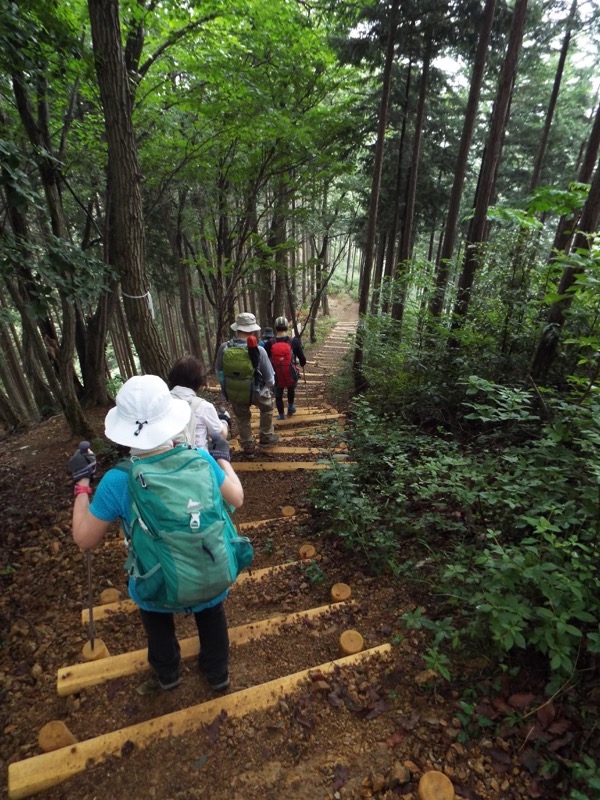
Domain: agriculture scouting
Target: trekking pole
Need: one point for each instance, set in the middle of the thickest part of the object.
(306, 390)
(88, 558)
(84, 447)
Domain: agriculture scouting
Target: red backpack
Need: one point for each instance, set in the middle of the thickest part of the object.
(286, 374)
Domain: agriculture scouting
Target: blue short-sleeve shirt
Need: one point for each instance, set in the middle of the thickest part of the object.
(111, 502)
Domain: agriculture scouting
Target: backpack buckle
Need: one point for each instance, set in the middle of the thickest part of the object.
(194, 510)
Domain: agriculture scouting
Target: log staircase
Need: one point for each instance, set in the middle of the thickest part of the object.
(311, 437)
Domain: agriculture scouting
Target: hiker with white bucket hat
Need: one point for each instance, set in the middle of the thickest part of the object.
(145, 419)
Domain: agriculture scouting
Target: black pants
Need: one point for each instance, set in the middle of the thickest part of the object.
(291, 393)
(164, 650)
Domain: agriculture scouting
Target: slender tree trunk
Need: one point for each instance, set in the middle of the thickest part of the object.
(379, 260)
(443, 265)
(548, 344)
(567, 225)
(392, 260)
(363, 302)
(406, 242)
(478, 227)
(542, 147)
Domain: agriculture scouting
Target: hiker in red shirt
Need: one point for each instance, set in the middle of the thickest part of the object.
(284, 351)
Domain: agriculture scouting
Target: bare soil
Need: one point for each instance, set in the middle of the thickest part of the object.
(370, 731)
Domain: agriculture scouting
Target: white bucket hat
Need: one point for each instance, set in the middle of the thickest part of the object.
(245, 322)
(146, 414)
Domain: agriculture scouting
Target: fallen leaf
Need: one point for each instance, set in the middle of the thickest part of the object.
(376, 709)
(395, 738)
(127, 748)
(340, 776)
(499, 755)
(556, 744)
(213, 729)
(530, 760)
(546, 714)
(534, 789)
(305, 722)
(521, 699)
(501, 704)
(559, 726)
(486, 710)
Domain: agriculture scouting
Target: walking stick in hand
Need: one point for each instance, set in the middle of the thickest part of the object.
(306, 389)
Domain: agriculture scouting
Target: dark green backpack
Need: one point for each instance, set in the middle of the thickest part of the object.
(184, 549)
(238, 375)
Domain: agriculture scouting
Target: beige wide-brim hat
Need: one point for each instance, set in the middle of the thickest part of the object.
(146, 415)
(245, 322)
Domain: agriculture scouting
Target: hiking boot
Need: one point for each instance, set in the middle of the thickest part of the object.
(249, 449)
(168, 682)
(280, 417)
(269, 438)
(291, 410)
(220, 686)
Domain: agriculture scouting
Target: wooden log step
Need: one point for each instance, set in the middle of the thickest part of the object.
(279, 466)
(302, 412)
(304, 418)
(292, 433)
(250, 526)
(306, 433)
(127, 606)
(278, 449)
(70, 680)
(36, 774)
(241, 526)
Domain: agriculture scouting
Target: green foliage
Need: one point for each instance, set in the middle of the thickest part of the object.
(314, 574)
(586, 772)
(114, 384)
(269, 546)
(521, 503)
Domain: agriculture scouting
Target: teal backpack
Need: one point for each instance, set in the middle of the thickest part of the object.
(184, 549)
(238, 375)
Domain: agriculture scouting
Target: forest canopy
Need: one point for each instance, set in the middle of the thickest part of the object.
(165, 165)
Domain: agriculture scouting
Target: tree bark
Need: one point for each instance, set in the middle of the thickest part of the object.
(405, 250)
(443, 264)
(491, 158)
(548, 343)
(542, 147)
(360, 383)
(127, 233)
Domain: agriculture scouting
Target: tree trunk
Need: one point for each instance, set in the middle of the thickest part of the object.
(405, 251)
(541, 151)
(363, 302)
(443, 265)
(127, 233)
(548, 344)
(567, 225)
(391, 260)
(491, 158)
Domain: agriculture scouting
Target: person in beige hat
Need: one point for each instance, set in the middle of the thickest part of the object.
(247, 378)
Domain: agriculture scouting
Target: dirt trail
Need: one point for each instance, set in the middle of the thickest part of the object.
(368, 730)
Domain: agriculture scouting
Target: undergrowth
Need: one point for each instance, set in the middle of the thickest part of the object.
(504, 527)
